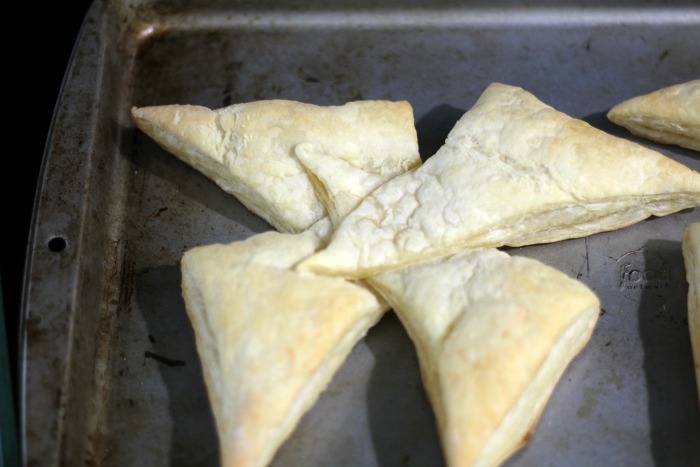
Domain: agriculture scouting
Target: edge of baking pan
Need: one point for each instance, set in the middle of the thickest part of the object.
(74, 248)
(77, 251)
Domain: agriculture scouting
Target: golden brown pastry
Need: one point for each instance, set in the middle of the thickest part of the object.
(269, 338)
(250, 149)
(513, 171)
(670, 115)
(493, 334)
(691, 257)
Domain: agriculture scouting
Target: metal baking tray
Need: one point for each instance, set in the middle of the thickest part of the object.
(109, 370)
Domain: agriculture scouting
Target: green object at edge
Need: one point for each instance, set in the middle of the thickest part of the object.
(8, 429)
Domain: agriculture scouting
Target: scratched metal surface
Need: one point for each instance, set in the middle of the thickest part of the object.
(110, 373)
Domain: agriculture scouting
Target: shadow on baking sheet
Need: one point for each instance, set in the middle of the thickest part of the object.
(145, 154)
(600, 121)
(673, 406)
(401, 420)
(173, 351)
(433, 128)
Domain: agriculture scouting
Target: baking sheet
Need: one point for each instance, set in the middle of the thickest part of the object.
(110, 373)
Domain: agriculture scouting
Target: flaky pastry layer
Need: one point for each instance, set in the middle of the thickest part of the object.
(670, 115)
(493, 334)
(513, 171)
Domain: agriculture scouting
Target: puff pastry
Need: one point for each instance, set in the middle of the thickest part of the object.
(493, 334)
(269, 338)
(248, 149)
(670, 115)
(342, 182)
(513, 171)
(691, 257)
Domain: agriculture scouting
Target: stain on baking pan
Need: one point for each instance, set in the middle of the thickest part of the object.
(164, 360)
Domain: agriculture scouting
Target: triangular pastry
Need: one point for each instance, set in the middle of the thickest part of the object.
(248, 149)
(513, 171)
(341, 182)
(691, 257)
(493, 334)
(669, 115)
(269, 338)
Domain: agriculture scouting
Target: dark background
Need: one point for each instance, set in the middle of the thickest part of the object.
(37, 55)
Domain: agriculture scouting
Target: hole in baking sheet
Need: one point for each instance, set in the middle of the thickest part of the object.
(57, 244)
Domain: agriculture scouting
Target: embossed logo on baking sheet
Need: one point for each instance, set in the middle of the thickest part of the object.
(644, 273)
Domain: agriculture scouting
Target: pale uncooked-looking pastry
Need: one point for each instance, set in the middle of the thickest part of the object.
(341, 183)
(670, 115)
(513, 171)
(691, 257)
(250, 149)
(269, 338)
(493, 334)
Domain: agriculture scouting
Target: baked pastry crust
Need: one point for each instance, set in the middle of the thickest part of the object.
(513, 171)
(670, 115)
(248, 149)
(691, 258)
(270, 339)
(341, 182)
(493, 334)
